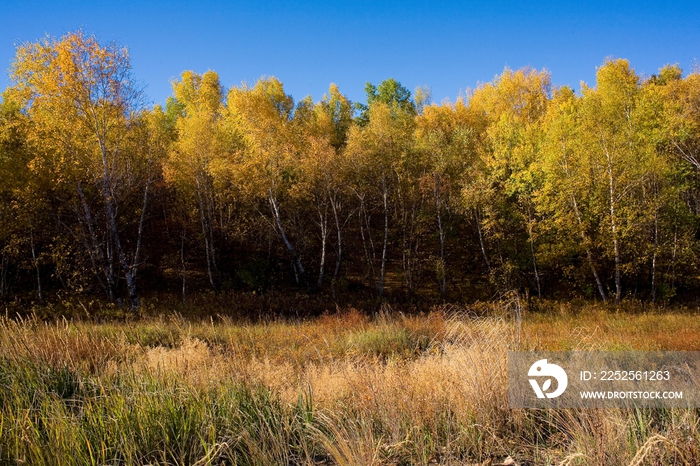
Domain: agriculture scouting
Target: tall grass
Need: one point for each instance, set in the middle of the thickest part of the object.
(341, 389)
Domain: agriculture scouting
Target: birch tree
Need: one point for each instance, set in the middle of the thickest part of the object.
(200, 142)
(263, 117)
(379, 149)
(447, 136)
(501, 190)
(323, 169)
(82, 99)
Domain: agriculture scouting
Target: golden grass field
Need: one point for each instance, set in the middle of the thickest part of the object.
(344, 389)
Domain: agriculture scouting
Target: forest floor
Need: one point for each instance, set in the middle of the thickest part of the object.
(346, 388)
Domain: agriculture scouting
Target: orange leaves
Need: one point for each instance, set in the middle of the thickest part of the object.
(262, 116)
(80, 96)
(74, 74)
(523, 94)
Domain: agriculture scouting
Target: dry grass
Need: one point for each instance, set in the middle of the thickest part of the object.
(343, 389)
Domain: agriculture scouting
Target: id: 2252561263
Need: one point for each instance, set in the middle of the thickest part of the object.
(626, 375)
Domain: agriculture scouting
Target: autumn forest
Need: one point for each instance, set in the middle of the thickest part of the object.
(517, 185)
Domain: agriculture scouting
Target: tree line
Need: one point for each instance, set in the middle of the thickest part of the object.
(517, 185)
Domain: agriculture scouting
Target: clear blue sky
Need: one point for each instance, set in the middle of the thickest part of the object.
(450, 46)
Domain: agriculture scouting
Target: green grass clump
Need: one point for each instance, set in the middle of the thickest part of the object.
(62, 418)
(388, 342)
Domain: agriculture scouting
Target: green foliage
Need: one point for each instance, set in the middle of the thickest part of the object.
(389, 92)
(387, 342)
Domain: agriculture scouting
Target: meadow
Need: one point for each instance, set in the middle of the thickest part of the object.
(345, 388)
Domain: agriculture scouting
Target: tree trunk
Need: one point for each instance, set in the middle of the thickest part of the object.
(295, 256)
(184, 269)
(653, 258)
(673, 259)
(95, 249)
(582, 231)
(3, 276)
(142, 222)
(589, 254)
(369, 250)
(206, 227)
(323, 223)
(481, 239)
(108, 198)
(382, 274)
(442, 272)
(36, 265)
(613, 227)
(532, 251)
(339, 247)
(114, 233)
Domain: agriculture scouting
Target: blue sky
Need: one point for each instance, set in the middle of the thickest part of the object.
(448, 46)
